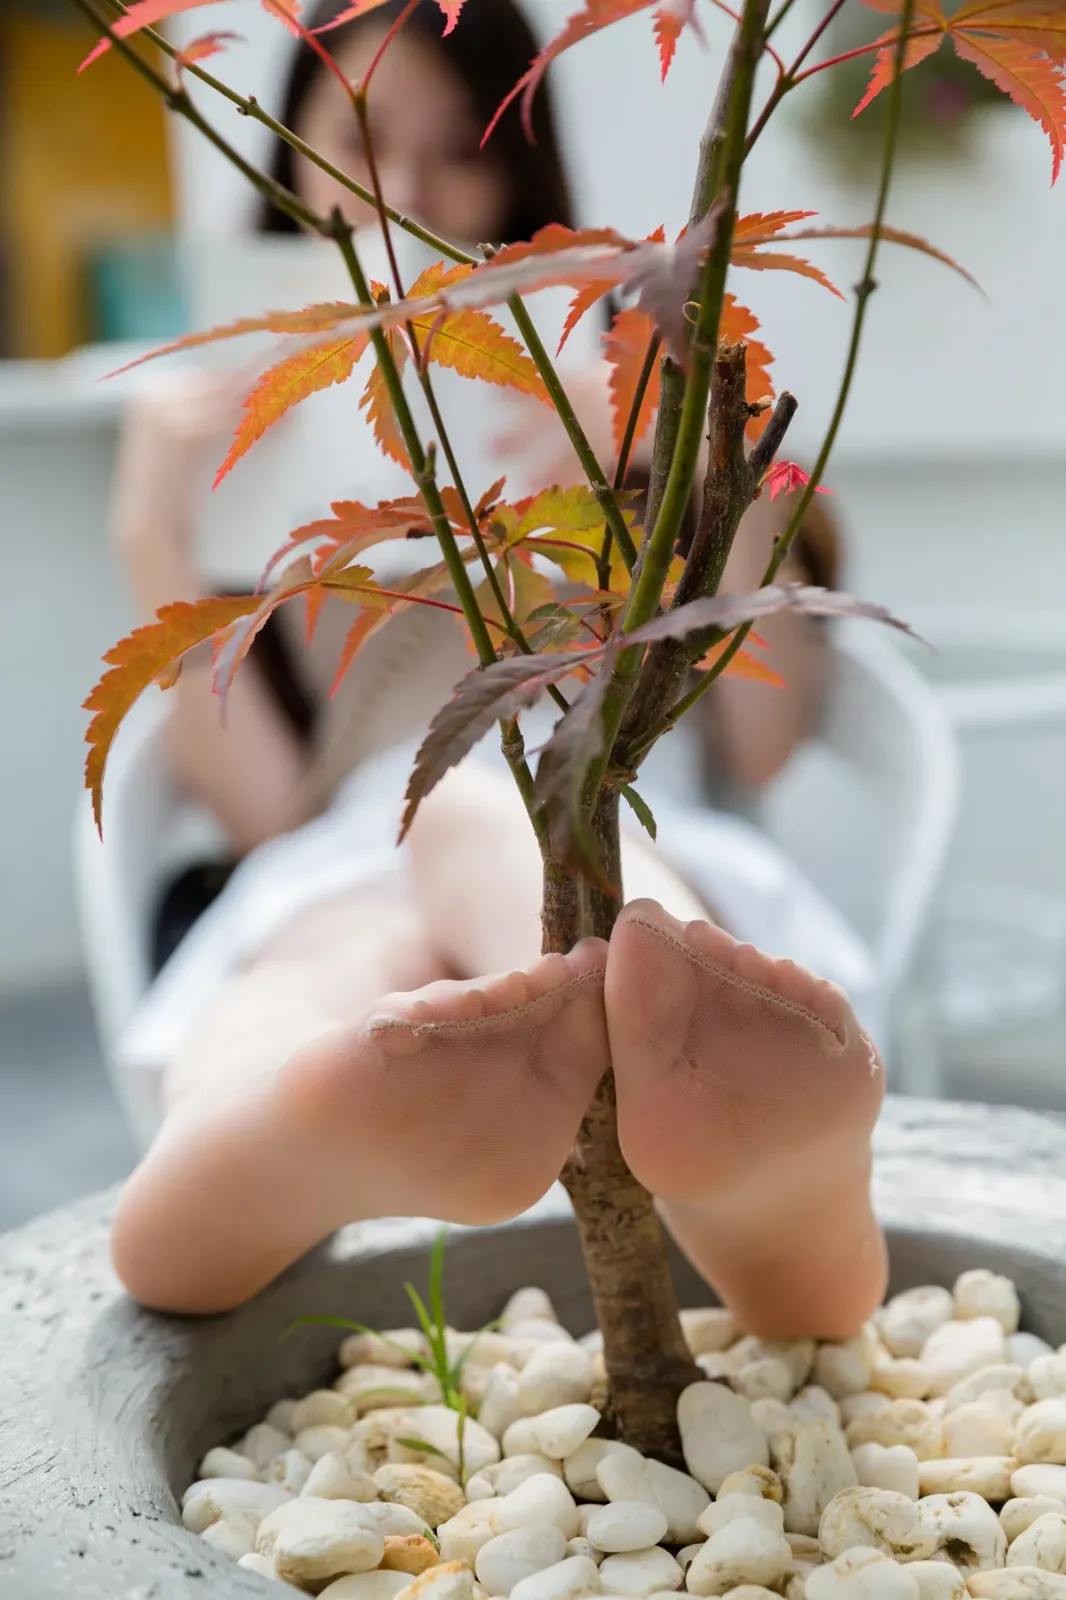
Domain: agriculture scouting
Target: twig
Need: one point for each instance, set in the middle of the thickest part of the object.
(603, 563)
(788, 81)
(590, 465)
(510, 622)
(863, 291)
(717, 182)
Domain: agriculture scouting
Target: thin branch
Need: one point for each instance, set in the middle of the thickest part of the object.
(776, 21)
(603, 563)
(864, 291)
(411, 5)
(178, 101)
(510, 622)
(717, 183)
(590, 465)
(787, 81)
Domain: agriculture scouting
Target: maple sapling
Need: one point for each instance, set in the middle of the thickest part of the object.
(634, 631)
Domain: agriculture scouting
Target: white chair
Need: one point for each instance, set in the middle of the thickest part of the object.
(150, 832)
(891, 768)
(868, 810)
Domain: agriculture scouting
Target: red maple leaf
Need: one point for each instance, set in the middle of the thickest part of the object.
(670, 17)
(784, 476)
(1019, 45)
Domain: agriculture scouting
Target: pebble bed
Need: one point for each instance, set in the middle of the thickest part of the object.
(924, 1460)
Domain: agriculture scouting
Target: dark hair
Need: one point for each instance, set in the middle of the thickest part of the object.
(490, 48)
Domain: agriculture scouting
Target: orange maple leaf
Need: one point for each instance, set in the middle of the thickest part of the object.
(670, 17)
(625, 349)
(1019, 45)
(450, 9)
(305, 373)
(208, 44)
(309, 320)
(143, 657)
(379, 413)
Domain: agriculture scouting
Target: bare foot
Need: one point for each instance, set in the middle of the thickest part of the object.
(747, 1094)
(459, 1101)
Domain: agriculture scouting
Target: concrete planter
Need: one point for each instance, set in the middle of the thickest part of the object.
(105, 1409)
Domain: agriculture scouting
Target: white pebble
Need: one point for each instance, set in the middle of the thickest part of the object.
(581, 1468)
(232, 1536)
(557, 1432)
(904, 1378)
(393, 1520)
(205, 1501)
(222, 1463)
(769, 1378)
(1041, 1433)
(555, 1375)
(479, 1488)
(937, 1580)
(1043, 1544)
(379, 1585)
(740, 1507)
(332, 1478)
(988, 1476)
(322, 1439)
(463, 1535)
(262, 1566)
(506, 1475)
(540, 1330)
(981, 1293)
(965, 1526)
(978, 1428)
(718, 1433)
(1017, 1583)
(280, 1415)
(844, 1369)
(626, 1475)
(774, 1417)
(1017, 1515)
(322, 1407)
(394, 1347)
(542, 1501)
(291, 1469)
(452, 1580)
(509, 1557)
(1025, 1348)
(957, 1348)
(866, 1404)
(988, 1385)
(640, 1573)
(439, 1426)
(528, 1302)
(625, 1525)
(909, 1422)
(762, 1482)
(874, 1519)
(312, 1540)
(814, 1402)
(500, 1405)
(1040, 1480)
(567, 1580)
(708, 1329)
(861, 1575)
(908, 1320)
(894, 1467)
(815, 1464)
(1047, 1376)
(580, 1546)
(743, 1551)
(262, 1443)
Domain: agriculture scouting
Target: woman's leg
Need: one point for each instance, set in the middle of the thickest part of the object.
(312, 1096)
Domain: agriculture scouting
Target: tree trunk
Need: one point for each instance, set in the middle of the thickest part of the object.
(647, 1360)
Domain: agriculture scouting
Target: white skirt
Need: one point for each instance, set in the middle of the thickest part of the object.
(755, 891)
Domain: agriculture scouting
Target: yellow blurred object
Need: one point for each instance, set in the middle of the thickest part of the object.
(83, 164)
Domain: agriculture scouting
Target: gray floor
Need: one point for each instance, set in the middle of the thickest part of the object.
(61, 1134)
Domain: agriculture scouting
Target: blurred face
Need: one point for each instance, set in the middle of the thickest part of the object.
(424, 133)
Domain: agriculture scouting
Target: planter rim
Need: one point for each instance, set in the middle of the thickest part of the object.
(105, 1407)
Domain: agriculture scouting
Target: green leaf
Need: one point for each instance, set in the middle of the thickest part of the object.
(426, 1448)
(409, 1399)
(640, 807)
(346, 1323)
